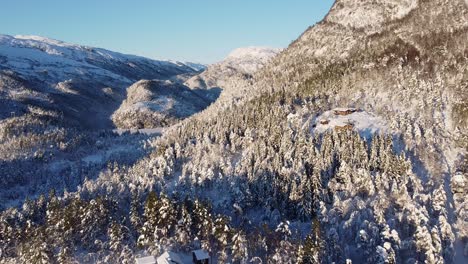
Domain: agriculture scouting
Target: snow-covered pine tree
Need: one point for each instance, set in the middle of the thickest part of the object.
(239, 247)
(150, 215)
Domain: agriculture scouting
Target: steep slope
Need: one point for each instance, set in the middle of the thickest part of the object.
(85, 84)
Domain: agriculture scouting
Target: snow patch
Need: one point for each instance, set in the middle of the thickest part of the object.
(240, 61)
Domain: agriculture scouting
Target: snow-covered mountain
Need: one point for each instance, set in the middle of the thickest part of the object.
(385, 183)
(242, 62)
(84, 84)
(347, 147)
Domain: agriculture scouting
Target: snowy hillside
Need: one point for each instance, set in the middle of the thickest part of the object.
(241, 62)
(157, 103)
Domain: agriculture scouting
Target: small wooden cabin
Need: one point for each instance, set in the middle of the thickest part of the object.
(344, 112)
(200, 256)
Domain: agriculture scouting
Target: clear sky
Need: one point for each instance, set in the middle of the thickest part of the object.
(188, 30)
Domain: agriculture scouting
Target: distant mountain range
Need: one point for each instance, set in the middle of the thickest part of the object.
(83, 84)
(52, 61)
(86, 85)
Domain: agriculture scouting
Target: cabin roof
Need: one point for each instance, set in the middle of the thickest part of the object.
(201, 254)
(169, 257)
(146, 260)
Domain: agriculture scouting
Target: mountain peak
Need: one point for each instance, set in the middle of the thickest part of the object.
(255, 52)
(370, 14)
(241, 61)
(41, 39)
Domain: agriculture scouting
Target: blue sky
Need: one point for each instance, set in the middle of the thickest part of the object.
(188, 30)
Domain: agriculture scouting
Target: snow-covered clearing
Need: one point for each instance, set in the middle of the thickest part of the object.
(361, 121)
